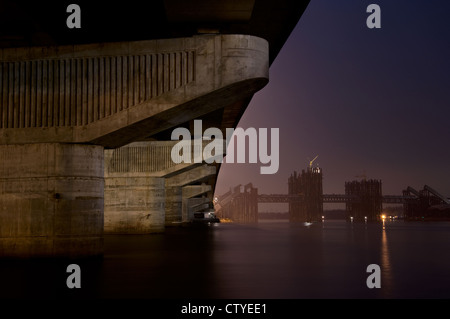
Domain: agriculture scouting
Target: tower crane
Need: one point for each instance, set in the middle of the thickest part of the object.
(311, 162)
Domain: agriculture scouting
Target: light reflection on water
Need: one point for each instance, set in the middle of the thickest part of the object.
(271, 259)
(329, 260)
(386, 269)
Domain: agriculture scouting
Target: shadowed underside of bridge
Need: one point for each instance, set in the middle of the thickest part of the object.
(113, 94)
(72, 101)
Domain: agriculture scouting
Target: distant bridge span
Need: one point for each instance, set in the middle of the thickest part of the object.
(366, 205)
(331, 198)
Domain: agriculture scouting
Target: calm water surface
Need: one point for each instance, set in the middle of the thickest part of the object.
(268, 260)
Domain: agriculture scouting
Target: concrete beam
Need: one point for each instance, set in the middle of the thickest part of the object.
(201, 205)
(195, 190)
(116, 93)
(194, 175)
(150, 159)
(192, 205)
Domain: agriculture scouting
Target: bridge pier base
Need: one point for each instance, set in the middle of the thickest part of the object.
(179, 188)
(134, 204)
(51, 200)
(174, 205)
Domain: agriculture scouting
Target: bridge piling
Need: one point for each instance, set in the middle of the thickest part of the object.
(369, 205)
(309, 185)
(51, 200)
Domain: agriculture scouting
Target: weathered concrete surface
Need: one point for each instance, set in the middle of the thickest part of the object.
(111, 94)
(190, 191)
(134, 187)
(196, 174)
(134, 205)
(174, 191)
(116, 93)
(51, 200)
(145, 190)
(107, 95)
(190, 199)
(144, 159)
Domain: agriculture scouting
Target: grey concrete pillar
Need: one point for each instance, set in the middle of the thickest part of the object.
(174, 191)
(134, 204)
(174, 205)
(188, 192)
(51, 200)
(135, 187)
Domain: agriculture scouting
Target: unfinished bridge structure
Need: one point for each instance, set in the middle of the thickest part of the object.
(363, 200)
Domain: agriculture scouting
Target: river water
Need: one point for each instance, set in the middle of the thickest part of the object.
(271, 259)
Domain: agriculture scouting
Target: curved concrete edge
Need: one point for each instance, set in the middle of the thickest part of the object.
(131, 128)
(172, 116)
(226, 66)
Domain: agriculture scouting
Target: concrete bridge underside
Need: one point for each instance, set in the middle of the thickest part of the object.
(84, 125)
(62, 106)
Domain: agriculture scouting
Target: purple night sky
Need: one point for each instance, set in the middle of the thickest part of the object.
(367, 101)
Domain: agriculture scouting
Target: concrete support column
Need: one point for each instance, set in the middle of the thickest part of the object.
(174, 191)
(174, 205)
(134, 204)
(135, 195)
(51, 200)
(188, 192)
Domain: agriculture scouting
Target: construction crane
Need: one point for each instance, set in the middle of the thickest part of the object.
(311, 162)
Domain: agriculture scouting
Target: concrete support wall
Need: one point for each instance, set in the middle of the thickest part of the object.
(51, 200)
(135, 187)
(194, 205)
(144, 187)
(134, 205)
(191, 204)
(175, 210)
(174, 206)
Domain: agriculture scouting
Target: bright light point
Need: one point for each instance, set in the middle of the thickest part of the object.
(383, 216)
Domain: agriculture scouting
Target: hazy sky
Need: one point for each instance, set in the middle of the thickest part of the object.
(373, 101)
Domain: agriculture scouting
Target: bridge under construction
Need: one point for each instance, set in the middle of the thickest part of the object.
(363, 200)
